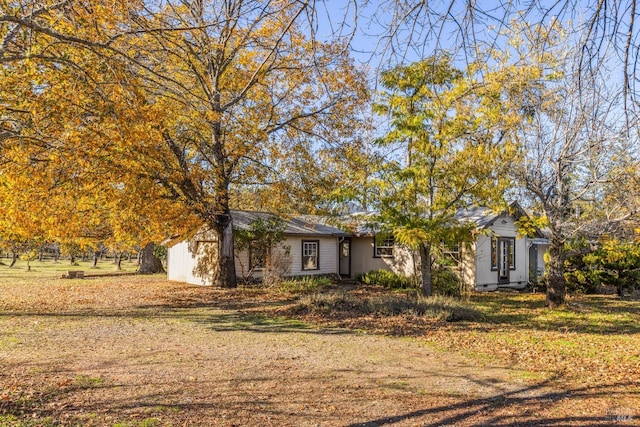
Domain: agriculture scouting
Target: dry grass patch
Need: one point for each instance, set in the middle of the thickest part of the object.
(336, 304)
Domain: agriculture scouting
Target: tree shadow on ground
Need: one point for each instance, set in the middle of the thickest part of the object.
(202, 402)
(520, 407)
(210, 317)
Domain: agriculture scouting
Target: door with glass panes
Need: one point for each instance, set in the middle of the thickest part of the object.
(506, 259)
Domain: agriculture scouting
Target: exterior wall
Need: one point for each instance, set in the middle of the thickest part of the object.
(468, 265)
(242, 263)
(178, 262)
(487, 279)
(328, 255)
(182, 263)
(363, 261)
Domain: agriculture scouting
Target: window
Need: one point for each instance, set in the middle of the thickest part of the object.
(383, 246)
(451, 254)
(494, 253)
(503, 253)
(511, 253)
(257, 256)
(310, 258)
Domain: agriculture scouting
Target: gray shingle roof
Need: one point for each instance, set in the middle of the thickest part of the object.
(481, 216)
(307, 225)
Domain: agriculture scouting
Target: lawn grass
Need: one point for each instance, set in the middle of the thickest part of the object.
(592, 340)
(41, 270)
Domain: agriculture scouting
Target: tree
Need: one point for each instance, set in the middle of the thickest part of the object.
(150, 262)
(260, 239)
(457, 138)
(605, 31)
(187, 99)
(574, 144)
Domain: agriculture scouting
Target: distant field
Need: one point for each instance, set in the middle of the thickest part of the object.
(51, 268)
(140, 351)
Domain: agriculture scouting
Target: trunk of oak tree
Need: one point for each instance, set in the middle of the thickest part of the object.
(118, 261)
(555, 274)
(225, 274)
(425, 269)
(14, 258)
(96, 256)
(149, 263)
(620, 285)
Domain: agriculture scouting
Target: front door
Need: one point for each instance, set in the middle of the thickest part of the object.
(344, 264)
(504, 257)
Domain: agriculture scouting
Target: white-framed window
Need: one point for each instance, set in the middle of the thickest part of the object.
(451, 254)
(310, 254)
(257, 256)
(383, 246)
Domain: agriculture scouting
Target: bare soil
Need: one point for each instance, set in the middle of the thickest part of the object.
(141, 351)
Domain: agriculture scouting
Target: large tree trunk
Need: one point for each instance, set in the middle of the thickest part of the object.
(425, 269)
(225, 274)
(149, 263)
(555, 274)
(14, 258)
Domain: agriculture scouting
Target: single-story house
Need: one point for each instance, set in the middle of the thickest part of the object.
(498, 257)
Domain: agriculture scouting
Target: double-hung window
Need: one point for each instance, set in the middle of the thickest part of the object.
(310, 254)
(257, 256)
(451, 254)
(383, 246)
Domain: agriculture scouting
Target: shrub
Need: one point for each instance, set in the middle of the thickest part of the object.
(613, 264)
(446, 283)
(304, 284)
(385, 278)
(441, 308)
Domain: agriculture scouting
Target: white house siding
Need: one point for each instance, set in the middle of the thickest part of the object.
(181, 264)
(468, 265)
(487, 279)
(242, 263)
(328, 255)
(363, 261)
(179, 261)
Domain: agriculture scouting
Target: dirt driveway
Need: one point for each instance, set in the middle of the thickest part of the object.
(145, 352)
